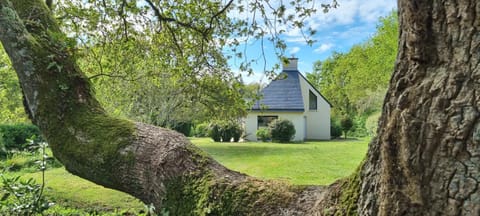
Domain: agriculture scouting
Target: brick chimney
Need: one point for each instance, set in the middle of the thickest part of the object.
(292, 64)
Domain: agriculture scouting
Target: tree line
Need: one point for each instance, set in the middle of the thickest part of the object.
(355, 82)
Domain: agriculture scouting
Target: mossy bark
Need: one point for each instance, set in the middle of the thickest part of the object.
(156, 165)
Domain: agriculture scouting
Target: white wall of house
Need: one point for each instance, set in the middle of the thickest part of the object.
(318, 121)
(297, 119)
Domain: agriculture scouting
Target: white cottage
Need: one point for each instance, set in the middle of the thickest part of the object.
(291, 97)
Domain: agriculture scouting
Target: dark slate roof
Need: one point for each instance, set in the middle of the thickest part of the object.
(282, 94)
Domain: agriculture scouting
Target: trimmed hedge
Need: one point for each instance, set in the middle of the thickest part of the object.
(14, 136)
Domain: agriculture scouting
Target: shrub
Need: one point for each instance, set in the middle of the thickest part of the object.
(214, 132)
(14, 136)
(183, 127)
(263, 134)
(282, 130)
(201, 130)
(3, 150)
(335, 129)
(22, 197)
(231, 130)
(347, 124)
(237, 132)
(25, 197)
(225, 131)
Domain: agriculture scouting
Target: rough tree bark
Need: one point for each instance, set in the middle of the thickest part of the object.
(425, 160)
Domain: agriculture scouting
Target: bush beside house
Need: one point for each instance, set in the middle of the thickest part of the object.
(280, 130)
(263, 134)
(335, 129)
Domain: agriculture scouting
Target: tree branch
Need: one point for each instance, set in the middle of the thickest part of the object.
(123, 16)
(220, 12)
(162, 18)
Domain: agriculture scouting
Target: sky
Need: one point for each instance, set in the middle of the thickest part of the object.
(353, 22)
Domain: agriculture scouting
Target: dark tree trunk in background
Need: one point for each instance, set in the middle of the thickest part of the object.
(425, 160)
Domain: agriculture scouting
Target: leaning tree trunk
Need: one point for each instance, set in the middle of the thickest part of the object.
(425, 160)
(156, 165)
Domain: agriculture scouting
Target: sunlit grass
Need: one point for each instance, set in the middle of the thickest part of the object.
(69, 190)
(318, 162)
(312, 162)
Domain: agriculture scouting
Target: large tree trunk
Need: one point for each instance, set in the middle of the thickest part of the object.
(425, 160)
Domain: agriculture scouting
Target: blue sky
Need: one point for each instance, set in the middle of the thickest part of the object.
(353, 22)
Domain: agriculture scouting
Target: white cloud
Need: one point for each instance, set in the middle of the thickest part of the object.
(323, 47)
(350, 23)
(349, 12)
(370, 11)
(255, 77)
(293, 50)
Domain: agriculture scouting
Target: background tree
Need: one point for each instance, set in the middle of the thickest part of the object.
(139, 71)
(355, 82)
(347, 123)
(11, 107)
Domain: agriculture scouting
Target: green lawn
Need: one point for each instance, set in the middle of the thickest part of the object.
(318, 162)
(302, 163)
(69, 190)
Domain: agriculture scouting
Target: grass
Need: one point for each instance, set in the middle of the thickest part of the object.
(69, 190)
(316, 162)
(319, 162)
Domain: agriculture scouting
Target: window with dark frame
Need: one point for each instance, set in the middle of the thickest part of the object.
(312, 101)
(263, 121)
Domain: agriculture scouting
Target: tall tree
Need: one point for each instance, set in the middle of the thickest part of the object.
(144, 73)
(356, 81)
(424, 162)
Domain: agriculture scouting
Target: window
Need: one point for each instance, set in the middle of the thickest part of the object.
(263, 121)
(312, 101)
